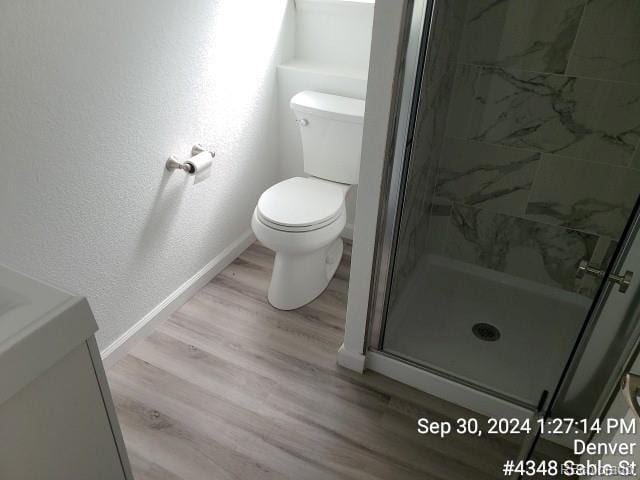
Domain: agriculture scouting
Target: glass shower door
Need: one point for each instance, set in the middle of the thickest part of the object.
(522, 162)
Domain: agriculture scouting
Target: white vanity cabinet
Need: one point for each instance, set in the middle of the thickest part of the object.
(57, 420)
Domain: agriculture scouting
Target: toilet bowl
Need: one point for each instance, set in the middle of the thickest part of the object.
(301, 218)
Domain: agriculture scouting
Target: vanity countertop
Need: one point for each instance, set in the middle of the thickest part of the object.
(39, 325)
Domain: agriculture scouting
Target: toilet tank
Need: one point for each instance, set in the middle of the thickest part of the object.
(331, 132)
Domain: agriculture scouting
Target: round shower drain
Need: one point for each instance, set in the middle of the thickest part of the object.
(486, 332)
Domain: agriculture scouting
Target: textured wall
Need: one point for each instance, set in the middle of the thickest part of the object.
(94, 96)
(335, 34)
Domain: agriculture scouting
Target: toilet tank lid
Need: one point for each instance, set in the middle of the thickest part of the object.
(345, 109)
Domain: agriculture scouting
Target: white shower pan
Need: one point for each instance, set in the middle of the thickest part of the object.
(445, 298)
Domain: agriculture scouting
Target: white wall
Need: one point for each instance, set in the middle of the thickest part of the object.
(94, 96)
(333, 41)
(334, 33)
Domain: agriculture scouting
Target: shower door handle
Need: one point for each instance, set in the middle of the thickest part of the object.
(623, 280)
(630, 387)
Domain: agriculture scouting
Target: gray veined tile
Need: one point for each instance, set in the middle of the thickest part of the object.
(577, 117)
(417, 225)
(438, 225)
(635, 160)
(608, 42)
(587, 196)
(529, 34)
(542, 253)
(490, 176)
(611, 17)
(446, 31)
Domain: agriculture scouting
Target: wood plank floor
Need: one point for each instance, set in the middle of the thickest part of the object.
(231, 388)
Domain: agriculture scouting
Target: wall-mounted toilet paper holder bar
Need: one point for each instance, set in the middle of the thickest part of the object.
(188, 166)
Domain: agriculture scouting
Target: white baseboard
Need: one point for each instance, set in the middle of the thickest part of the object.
(441, 387)
(352, 361)
(123, 344)
(347, 232)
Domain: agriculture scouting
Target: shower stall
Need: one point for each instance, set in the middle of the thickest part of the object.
(514, 175)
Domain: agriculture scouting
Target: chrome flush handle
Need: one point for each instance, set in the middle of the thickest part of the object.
(623, 280)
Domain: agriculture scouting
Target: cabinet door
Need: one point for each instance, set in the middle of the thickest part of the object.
(57, 428)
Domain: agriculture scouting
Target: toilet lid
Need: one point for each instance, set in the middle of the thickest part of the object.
(301, 202)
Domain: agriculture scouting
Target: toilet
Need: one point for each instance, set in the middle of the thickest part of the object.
(301, 218)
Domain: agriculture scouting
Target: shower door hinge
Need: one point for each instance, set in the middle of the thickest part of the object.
(623, 280)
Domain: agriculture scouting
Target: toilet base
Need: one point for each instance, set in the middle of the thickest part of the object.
(299, 278)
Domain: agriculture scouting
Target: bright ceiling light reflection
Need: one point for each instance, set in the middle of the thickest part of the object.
(244, 39)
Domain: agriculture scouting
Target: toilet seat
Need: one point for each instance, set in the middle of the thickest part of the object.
(301, 204)
(288, 228)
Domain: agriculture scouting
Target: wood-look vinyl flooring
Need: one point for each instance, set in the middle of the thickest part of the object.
(232, 388)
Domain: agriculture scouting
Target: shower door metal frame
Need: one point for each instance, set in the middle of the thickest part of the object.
(417, 41)
(416, 33)
(626, 241)
(418, 45)
(417, 38)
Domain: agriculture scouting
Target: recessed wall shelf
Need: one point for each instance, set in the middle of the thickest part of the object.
(310, 66)
(333, 5)
(300, 74)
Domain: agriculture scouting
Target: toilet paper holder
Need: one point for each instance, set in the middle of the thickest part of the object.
(174, 164)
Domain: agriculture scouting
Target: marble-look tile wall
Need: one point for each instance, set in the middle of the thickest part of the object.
(540, 164)
(431, 123)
